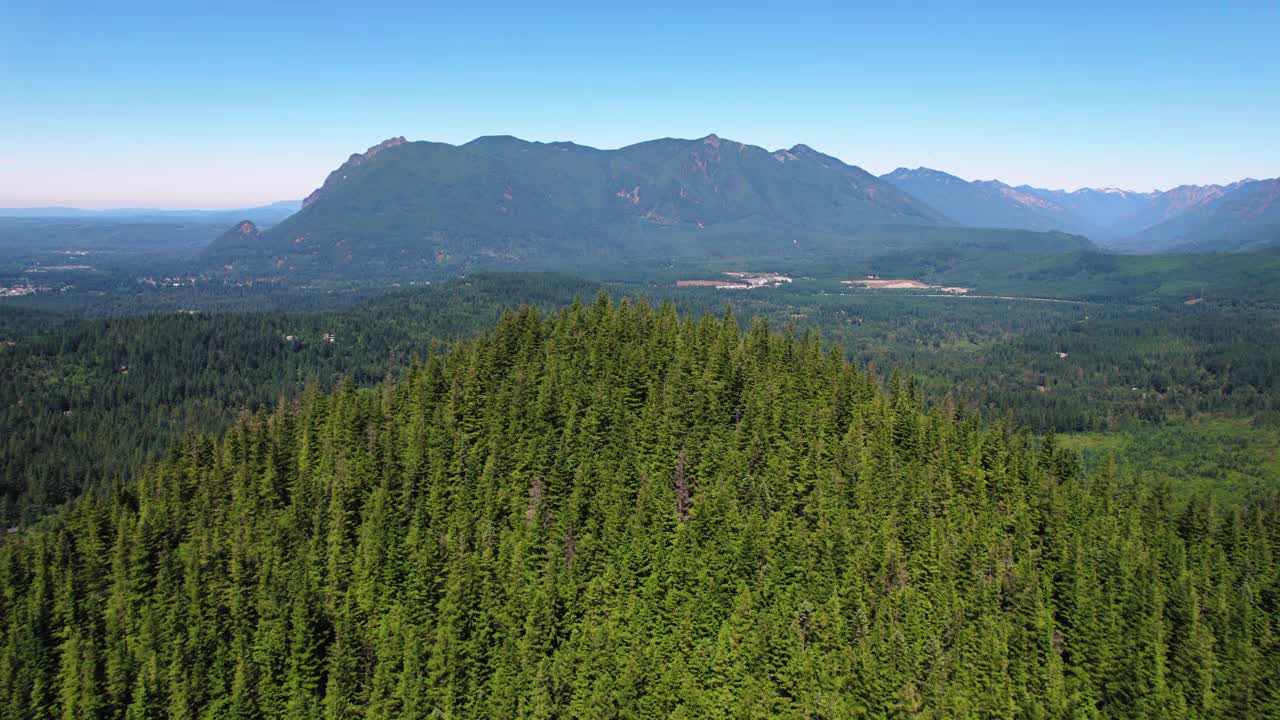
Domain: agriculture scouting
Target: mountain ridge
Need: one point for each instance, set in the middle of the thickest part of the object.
(264, 214)
(986, 203)
(511, 199)
(1239, 216)
(1189, 218)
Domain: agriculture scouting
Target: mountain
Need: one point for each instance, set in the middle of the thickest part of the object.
(1168, 205)
(403, 205)
(264, 214)
(987, 203)
(242, 238)
(1099, 207)
(1187, 218)
(1240, 216)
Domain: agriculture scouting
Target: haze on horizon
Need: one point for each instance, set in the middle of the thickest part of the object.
(149, 105)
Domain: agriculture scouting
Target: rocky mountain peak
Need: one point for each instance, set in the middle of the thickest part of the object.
(356, 160)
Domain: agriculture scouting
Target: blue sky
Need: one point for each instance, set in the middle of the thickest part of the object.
(165, 105)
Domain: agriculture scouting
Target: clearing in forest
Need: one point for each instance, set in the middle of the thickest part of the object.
(874, 282)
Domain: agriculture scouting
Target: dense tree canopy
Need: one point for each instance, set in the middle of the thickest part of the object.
(90, 400)
(87, 402)
(617, 513)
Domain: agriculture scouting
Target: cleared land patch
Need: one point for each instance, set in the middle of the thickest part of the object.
(877, 283)
(739, 281)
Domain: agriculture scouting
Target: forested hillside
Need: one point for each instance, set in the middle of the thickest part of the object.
(86, 403)
(426, 207)
(90, 400)
(614, 512)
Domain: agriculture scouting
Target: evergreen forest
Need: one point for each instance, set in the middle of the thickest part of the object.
(615, 511)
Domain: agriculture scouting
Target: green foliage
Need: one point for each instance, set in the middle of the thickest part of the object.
(86, 403)
(70, 416)
(616, 512)
(1230, 278)
(1226, 457)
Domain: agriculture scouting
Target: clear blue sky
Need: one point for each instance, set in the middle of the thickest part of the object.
(157, 104)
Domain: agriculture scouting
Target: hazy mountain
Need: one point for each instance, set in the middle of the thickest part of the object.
(1165, 206)
(264, 214)
(1212, 218)
(987, 203)
(405, 204)
(1188, 218)
(1101, 208)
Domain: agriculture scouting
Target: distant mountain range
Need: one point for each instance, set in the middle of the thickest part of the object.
(1188, 218)
(1096, 207)
(502, 200)
(405, 207)
(1242, 216)
(264, 214)
(989, 203)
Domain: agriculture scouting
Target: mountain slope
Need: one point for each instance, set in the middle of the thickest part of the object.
(1099, 207)
(420, 204)
(987, 203)
(1188, 218)
(242, 238)
(1239, 216)
(1167, 206)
